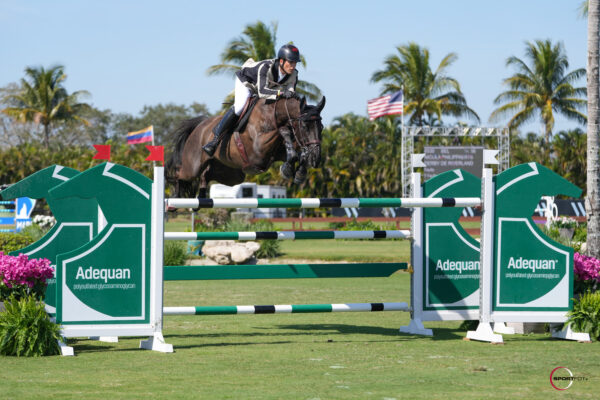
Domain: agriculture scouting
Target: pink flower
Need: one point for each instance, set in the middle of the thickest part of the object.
(586, 268)
(21, 272)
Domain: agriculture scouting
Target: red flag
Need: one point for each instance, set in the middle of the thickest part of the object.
(157, 153)
(102, 152)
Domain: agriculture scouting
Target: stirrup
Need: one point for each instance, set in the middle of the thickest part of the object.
(210, 147)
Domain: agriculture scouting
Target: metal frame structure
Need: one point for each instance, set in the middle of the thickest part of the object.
(408, 145)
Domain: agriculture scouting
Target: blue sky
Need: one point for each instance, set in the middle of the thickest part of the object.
(128, 54)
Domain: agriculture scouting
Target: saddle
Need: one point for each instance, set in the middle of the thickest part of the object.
(245, 115)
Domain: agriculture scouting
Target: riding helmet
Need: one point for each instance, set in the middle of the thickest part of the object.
(289, 52)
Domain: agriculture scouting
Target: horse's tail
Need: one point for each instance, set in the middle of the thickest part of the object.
(178, 138)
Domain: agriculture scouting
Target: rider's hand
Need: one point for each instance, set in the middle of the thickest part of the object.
(288, 94)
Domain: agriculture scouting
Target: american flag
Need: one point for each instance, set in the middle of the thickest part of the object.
(386, 105)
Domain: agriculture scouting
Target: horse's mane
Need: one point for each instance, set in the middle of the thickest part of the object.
(178, 138)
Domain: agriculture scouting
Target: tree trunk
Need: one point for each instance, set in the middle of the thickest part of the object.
(46, 135)
(592, 203)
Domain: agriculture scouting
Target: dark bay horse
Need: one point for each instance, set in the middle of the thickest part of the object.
(261, 143)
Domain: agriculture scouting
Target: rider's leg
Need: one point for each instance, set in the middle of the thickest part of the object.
(229, 119)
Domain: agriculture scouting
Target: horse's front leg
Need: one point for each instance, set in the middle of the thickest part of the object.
(301, 172)
(287, 169)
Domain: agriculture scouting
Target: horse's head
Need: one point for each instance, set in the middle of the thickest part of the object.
(309, 132)
(304, 121)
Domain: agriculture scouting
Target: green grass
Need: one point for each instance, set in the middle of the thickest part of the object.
(303, 356)
(347, 250)
(306, 356)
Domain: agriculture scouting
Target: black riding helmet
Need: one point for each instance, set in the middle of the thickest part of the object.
(289, 52)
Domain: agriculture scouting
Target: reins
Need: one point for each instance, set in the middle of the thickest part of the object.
(302, 142)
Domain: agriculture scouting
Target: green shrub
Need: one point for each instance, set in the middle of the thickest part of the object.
(585, 316)
(26, 330)
(469, 325)
(580, 233)
(33, 232)
(211, 220)
(355, 225)
(13, 241)
(175, 253)
(337, 226)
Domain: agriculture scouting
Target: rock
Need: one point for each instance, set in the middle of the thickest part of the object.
(226, 252)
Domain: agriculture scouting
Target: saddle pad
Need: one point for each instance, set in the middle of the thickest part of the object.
(246, 112)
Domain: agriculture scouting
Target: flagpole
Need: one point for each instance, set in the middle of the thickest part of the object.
(152, 129)
(402, 169)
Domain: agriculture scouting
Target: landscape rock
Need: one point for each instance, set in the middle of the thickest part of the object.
(225, 252)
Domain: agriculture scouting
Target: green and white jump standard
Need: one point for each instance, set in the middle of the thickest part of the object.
(113, 284)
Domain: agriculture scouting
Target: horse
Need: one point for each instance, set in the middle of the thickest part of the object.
(275, 131)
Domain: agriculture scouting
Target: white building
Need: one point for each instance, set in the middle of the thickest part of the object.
(252, 190)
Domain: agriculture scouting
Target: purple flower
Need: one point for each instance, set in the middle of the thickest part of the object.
(23, 275)
(586, 268)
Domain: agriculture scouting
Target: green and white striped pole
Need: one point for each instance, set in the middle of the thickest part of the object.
(286, 309)
(288, 235)
(324, 203)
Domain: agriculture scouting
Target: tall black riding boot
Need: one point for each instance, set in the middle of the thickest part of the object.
(227, 122)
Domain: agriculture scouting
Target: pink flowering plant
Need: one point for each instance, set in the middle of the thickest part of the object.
(587, 273)
(22, 277)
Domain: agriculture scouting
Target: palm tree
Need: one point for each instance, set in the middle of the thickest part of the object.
(42, 99)
(257, 42)
(583, 8)
(592, 204)
(569, 151)
(541, 89)
(428, 95)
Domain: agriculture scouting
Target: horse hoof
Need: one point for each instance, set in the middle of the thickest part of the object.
(286, 170)
(300, 176)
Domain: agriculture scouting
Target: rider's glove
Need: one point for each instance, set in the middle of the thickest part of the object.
(288, 94)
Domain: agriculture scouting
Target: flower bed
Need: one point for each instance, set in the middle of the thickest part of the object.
(587, 273)
(22, 277)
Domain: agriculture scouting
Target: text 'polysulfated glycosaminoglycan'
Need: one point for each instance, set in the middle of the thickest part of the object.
(459, 266)
(103, 273)
(533, 264)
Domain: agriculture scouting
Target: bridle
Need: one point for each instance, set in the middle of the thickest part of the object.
(303, 141)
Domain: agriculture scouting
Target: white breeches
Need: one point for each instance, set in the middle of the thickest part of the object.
(241, 95)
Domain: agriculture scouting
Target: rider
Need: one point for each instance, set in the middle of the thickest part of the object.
(269, 79)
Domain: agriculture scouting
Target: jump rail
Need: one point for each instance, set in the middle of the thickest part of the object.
(286, 308)
(288, 235)
(324, 203)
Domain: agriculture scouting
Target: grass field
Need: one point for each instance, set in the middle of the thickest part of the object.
(306, 356)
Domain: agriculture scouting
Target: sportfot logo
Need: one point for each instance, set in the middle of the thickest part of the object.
(561, 378)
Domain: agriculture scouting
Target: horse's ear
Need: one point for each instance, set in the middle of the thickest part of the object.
(321, 104)
(302, 102)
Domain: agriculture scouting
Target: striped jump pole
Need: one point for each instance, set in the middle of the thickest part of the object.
(288, 235)
(286, 309)
(324, 203)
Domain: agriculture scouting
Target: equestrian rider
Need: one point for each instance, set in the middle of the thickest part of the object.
(269, 79)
